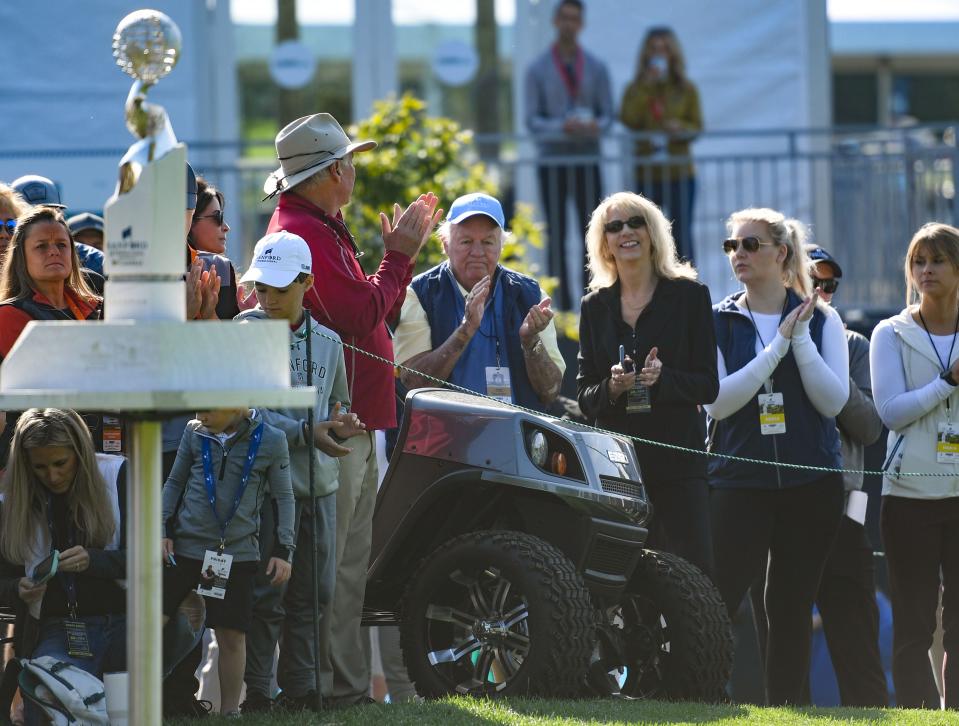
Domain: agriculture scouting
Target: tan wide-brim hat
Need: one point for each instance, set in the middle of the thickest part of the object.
(307, 145)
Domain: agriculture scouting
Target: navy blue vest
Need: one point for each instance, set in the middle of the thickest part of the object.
(513, 295)
(810, 439)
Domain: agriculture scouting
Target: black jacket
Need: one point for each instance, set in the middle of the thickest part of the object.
(679, 322)
(97, 590)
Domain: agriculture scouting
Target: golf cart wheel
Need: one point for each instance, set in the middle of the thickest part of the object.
(678, 638)
(496, 613)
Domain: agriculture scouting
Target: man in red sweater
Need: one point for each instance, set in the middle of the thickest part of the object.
(315, 181)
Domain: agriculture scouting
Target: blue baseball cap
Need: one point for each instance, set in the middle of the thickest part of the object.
(469, 205)
(818, 254)
(190, 187)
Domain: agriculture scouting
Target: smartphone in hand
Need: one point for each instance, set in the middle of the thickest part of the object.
(627, 365)
(47, 568)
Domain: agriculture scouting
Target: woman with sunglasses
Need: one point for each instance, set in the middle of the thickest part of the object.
(915, 379)
(784, 376)
(207, 240)
(647, 303)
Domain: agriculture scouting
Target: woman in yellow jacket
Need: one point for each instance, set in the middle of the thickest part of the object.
(662, 103)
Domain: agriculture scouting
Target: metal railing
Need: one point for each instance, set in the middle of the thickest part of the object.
(863, 191)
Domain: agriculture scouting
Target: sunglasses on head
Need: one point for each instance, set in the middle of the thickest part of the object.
(827, 286)
(750, 244)
(9, 225)
(617, 225)
(217, 218)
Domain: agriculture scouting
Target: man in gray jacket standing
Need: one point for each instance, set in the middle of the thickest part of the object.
(847, 592)
(568, 104)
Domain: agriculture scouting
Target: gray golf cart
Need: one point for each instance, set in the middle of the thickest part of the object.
(509, 547)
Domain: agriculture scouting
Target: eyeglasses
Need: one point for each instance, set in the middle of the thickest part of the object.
(217, 218)
(9, 225)
(827, 286)
(750, 244)
(617, 225)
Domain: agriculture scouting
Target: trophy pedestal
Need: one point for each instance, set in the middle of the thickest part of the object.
(149, 369)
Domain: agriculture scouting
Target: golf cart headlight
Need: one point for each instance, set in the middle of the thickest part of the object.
(538, 448)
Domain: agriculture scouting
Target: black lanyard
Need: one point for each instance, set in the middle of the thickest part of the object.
(759, 335)
(69, 578)
(935, 350)
(756, 327)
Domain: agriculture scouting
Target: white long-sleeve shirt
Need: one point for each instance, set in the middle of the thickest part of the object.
(897, 406)
(825, 377)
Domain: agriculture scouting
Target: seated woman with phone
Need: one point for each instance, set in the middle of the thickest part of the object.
(63, 543)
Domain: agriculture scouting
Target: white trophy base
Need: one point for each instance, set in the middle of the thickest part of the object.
(150, 366)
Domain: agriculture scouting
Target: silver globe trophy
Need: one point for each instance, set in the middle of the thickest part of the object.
(145, 361)
(146, 46)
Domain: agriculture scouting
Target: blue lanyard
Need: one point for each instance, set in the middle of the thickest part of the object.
(69, 578)
(210, 482)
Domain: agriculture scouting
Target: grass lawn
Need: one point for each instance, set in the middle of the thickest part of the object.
(523, 712)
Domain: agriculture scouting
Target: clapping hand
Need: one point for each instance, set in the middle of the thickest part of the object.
(535, 322)
(409, 229)
(476, 305)
(800, 313)
(652, 368)
(210, 293)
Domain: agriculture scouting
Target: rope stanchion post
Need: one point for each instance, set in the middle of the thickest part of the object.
(310, 427)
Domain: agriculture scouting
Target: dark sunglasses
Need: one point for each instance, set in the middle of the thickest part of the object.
(9, 225)
(217, 217)
(750, 244)
(827, 286)
(617, 225)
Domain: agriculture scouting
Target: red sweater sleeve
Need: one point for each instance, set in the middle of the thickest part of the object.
(353, 303)
(394, 313)
(12, 322)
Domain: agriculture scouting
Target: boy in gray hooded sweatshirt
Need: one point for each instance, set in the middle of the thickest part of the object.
(281, 275)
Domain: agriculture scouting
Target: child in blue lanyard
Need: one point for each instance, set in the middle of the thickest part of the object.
(228, 461)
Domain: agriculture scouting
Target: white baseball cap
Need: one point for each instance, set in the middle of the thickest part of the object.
(278, 258)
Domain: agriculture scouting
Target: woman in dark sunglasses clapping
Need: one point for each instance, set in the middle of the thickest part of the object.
(207, 240)
(784, 375)
(647, 361)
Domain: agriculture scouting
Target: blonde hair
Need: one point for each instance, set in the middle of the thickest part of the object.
(600, 263)
(785, 232)
(937, 239)
(12, 200)
(25, 497)
(15, 281)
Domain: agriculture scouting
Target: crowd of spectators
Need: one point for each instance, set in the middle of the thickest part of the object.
(768, 375)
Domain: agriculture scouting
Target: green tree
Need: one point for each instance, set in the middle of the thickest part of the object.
(417, 154)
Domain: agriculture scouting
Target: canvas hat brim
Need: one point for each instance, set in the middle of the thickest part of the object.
(279, 181)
